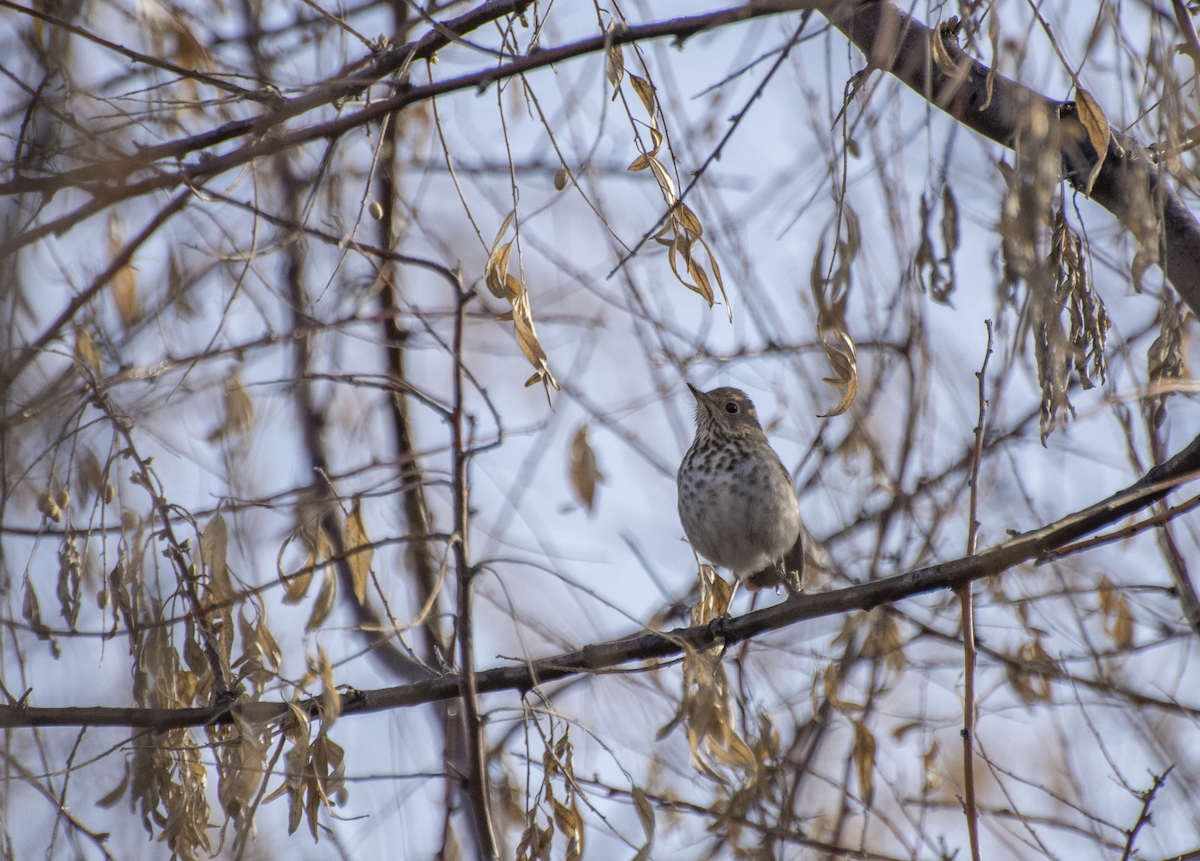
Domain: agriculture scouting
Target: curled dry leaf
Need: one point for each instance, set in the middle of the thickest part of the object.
(941, 57)
(994, 40)
(645, 92)
(830, 297)
(324, 603)
(509, 287)
(1093, 119)
(614, 68)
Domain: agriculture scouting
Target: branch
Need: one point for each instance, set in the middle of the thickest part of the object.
(1147, 799)
(119, 261)
(116, 173)
(477, 771)
(1128, 180)
(1157, 483)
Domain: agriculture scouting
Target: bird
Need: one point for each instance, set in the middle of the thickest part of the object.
(737, 503)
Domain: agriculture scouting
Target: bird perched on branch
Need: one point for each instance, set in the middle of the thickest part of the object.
(736, 500)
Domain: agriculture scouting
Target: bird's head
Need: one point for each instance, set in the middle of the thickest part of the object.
(725, 410)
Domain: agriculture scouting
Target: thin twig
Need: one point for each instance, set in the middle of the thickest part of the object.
(968, 618)
(1147, 798)
(1121, 534)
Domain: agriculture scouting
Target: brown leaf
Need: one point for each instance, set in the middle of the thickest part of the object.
(689, 221)
(640, 163)
(359, 561)
(994, 39)
(31, 612)
(864, 761)
(1122, 630)
(214, 544)
(940, 55)
(85, 350)
(584, 473)
(1093, 119)
(645, 813)
(239, 410)
(89, 474)
(561, 177)
(645, 91)
(324, 603)
(124, 282)
(114, 795)
(497, 270)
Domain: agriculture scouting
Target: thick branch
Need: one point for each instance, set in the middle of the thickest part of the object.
(1128, 181)
(1184, 467)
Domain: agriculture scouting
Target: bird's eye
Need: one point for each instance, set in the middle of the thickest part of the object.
(731, 408)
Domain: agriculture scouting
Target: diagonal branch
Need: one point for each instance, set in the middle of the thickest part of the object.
(1154, 486)
(1128, 180)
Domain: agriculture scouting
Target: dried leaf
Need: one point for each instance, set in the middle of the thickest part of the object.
(85, 350)
(940, 55)
(561, 177)
(1093, 119)
(864, 761)
(614, 68)
(31, 612)
(1029, 674)
(359, 561)
(497, 270)
(1122, 632)
(239, 411)
(324, 603)
(645, 91)
(114, 795)
(584, 473)
(645, 811)
(994, 39)
(949, 222)
(689, 222)
(124, 282)
(640, 163)
(89, 474)
(214, 545)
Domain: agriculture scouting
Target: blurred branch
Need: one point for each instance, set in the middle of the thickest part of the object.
(477, 776)
(344, 86)
(265, 97)
(122, 258)
(1128, 180)
(1157, 483)
(111, 181)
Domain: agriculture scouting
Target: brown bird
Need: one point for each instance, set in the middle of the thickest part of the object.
(736, 500)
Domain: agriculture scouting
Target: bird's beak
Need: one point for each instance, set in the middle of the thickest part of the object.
(696, 393)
